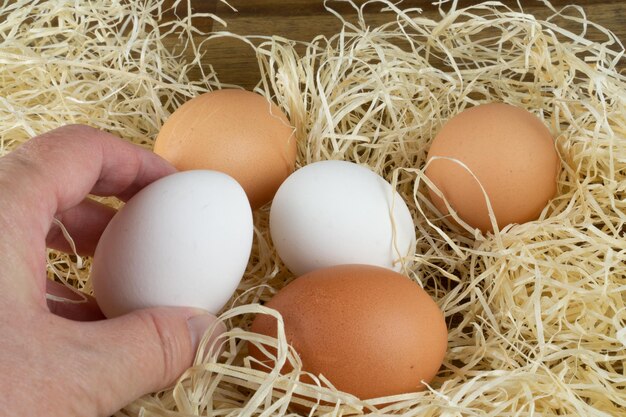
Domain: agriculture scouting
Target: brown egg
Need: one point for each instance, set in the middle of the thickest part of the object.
(371, 331)
(236, 132)
(509, 150)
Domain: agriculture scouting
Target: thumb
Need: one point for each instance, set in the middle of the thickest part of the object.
(143, 352)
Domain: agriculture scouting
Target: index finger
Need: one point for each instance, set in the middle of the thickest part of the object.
(55, 171)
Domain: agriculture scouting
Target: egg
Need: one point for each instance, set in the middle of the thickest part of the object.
(336, 212)
(183, 240)
(369, 330)
(236, 132)
(509, 151)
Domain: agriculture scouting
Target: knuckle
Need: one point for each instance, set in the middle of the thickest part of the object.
(74, 130)
(25, 158)
(168, 348)
(59, 138)
(41, 147)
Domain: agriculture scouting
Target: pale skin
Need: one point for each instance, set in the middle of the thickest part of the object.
(61, 359)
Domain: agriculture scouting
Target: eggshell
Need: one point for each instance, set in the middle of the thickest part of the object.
(336, 212)
(371, 331)
(512, 154)
(183, 240)
(236, 132)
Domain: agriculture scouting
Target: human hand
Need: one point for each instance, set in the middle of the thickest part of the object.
(51, 365)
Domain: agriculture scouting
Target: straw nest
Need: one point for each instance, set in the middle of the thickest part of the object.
(536, 312)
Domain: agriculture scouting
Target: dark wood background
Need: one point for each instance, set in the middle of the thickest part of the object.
(304, 19)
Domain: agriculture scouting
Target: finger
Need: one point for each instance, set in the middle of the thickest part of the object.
(84, 224)
(85, 310)
(55, 171)
(52, 173)
(146, 349)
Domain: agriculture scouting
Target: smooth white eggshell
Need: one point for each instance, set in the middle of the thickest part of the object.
(183, 240)
(336, 212)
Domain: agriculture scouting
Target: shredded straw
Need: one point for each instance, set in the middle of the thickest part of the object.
(536, 312)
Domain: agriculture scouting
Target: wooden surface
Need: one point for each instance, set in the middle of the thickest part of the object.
(304, 19)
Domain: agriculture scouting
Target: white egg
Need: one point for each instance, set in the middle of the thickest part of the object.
(184, 240)
(336, 212)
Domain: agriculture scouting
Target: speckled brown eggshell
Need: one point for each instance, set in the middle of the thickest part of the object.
(371, 331)
(236, 132)
(511, 152)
